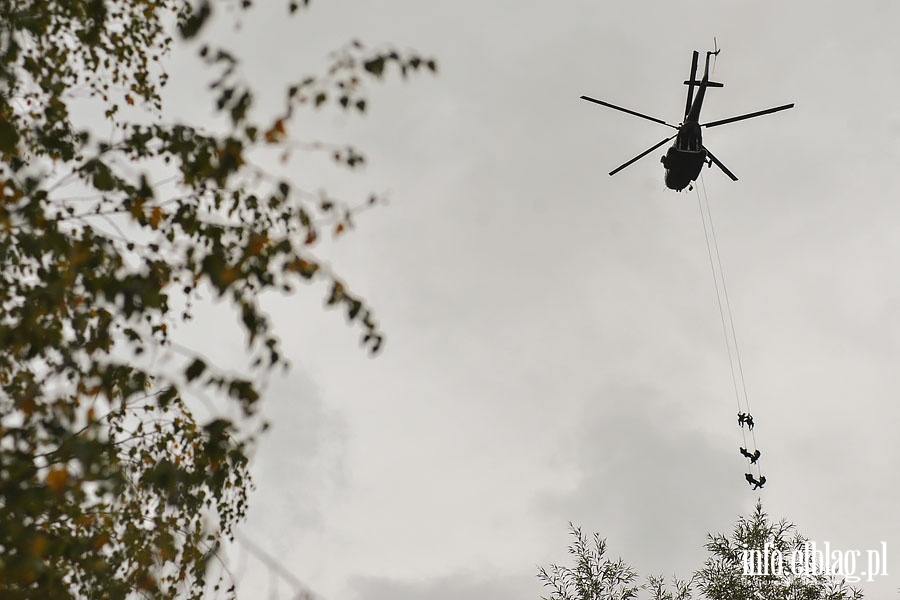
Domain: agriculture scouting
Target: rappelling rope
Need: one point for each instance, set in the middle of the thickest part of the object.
(710, 232)
(712, 268)
(712, 229)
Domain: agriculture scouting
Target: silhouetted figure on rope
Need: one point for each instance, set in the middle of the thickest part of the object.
(757, 484)
(745, 418)
(753, 457)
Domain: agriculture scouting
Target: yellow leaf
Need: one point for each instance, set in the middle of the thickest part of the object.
(155, 217)
(137, 207)
(78, 256)
(276, 133)
(229, 275)
(257, 243)
(38, 544)
(84, 520)
(145, 581)
(101, 540)
(57, 479)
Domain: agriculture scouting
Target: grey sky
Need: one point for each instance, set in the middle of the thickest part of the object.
(554, 349)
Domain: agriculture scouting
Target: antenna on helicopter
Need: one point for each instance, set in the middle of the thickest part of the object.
(715, 55)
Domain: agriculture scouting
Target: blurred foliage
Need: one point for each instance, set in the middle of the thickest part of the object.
(596, 577)
(109, 485)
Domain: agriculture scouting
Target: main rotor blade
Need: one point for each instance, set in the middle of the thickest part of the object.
(720, 165)
(641, 155)
(630, 112)
(690, 83)
(749, 116)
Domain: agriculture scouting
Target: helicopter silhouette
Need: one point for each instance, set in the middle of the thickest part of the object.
(686, 157)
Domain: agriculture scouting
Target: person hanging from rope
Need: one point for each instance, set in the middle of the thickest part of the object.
(756, 483)
(753, 457)
(745, 418)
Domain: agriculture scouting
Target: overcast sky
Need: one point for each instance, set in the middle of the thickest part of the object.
(554, 347)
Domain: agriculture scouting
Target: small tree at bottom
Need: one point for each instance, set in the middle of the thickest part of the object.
(760, 560)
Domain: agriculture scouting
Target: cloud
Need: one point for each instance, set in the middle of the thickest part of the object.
(651, 482)
(450, 587)
(299, 463)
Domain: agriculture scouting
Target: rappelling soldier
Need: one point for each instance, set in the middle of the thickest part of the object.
(753, 457)
(757, 484)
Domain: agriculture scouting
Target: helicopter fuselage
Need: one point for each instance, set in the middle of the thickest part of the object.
(685, 158)
(682, 167)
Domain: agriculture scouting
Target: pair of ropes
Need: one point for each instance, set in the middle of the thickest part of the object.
(745, 418)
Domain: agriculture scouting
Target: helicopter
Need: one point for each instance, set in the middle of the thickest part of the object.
(686, 157)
